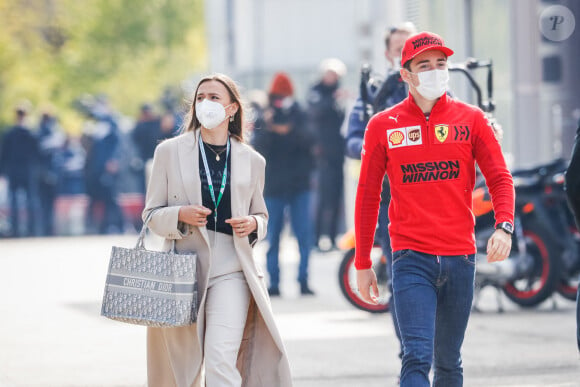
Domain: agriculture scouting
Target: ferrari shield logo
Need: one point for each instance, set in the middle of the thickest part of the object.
(441, 132)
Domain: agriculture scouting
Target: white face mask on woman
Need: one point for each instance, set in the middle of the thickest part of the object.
(209, 113)
(432, 83)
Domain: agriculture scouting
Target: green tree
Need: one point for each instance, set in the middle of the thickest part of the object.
(53, 51)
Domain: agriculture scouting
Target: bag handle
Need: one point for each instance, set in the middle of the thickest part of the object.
(140, 241)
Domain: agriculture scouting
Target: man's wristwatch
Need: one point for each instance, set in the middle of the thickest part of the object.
(505, 226)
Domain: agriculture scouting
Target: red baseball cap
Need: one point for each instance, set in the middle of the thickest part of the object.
(421, 42)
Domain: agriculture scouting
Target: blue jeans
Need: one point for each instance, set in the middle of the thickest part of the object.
(433, 296)
(300, 219)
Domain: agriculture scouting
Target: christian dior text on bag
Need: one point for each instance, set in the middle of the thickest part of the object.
(151, 288)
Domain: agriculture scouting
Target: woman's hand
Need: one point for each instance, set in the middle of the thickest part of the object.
(243, 225)
(194, 215)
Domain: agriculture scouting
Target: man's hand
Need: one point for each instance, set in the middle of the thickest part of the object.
(499, 246)
(366, 279)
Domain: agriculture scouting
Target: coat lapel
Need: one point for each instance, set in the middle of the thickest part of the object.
(189, 166)
(240, 177)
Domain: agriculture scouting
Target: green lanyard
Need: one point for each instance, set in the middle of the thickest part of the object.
(208, 176)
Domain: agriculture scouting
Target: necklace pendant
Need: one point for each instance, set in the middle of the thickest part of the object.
(217, 157)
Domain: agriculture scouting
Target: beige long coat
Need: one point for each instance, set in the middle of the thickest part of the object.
(175, 355)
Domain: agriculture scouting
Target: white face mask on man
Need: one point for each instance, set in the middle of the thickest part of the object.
(432, 83)
(210, 114)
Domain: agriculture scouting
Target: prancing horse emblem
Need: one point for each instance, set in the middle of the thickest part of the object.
(441, 132)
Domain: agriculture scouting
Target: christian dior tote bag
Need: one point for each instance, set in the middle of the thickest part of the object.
(152, 288)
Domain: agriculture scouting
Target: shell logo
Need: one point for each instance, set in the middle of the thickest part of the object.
(396, 138)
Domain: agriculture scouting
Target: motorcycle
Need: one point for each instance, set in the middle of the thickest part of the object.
(530, 274)
(548, 182)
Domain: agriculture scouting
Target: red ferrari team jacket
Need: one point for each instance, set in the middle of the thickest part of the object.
(431, 169)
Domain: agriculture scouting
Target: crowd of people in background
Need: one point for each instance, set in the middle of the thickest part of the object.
(45, 168)
(42, 164)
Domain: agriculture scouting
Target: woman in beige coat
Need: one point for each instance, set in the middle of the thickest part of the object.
(235, 341)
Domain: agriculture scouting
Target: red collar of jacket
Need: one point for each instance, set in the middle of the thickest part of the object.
(442, 101)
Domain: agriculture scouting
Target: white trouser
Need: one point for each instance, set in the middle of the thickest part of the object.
(224, 259)
(226, 309)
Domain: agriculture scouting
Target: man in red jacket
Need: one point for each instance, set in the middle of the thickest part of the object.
(428, 146)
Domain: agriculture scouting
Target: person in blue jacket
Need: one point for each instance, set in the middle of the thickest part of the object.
(102, 169)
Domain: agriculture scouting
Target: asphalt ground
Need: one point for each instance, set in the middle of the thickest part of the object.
(52, 333)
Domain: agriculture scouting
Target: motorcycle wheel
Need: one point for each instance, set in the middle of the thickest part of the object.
(348, 285)
(568, 289)
(568, 285)
(539, 284)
